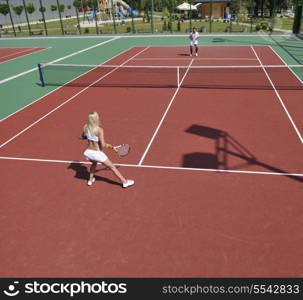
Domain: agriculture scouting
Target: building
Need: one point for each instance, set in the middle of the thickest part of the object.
(219, 9)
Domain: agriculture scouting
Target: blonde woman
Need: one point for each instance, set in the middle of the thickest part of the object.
(95, 138)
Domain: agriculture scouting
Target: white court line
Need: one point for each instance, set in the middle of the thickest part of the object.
(69, 99)
(154, 167)
(59, 87)
(56, 60)
(280, 99)
(213, 58)
(286, 64)
(21, 56)
(164, 115)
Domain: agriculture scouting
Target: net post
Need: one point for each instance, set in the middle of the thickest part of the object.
(178, 76)
(41, 75)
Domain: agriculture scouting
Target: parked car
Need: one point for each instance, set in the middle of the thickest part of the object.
(288, 15)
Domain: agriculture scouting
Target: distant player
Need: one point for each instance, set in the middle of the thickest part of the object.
(193, 36)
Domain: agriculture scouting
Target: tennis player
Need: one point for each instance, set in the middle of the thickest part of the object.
(193, 36)
(95, 138)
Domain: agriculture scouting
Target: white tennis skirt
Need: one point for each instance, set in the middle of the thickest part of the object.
(192, 43)
(95, 155)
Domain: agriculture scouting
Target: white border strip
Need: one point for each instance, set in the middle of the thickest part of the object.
(59, 87)
(68, 100)
(56, 60)
(155, 167)
(165, 113)
(141, 36)
(279, 97)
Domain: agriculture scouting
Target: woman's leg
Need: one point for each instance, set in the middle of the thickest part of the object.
(92, 170)
(110, 165)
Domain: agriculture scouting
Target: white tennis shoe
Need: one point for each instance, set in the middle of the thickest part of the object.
(90, 182)
(196, 54)
(128, 183)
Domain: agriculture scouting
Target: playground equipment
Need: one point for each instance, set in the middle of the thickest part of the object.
(106, 12)
(120, 13)
(123, 4)
(92, 16)
(121, 7)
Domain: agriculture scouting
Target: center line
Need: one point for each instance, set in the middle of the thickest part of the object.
(165, 113)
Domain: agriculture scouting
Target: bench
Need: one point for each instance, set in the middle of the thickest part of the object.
(37, 32)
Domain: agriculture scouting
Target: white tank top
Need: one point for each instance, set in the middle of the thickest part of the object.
(91, 137)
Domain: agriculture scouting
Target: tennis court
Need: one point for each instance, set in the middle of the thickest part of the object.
(12, 53)
(216, 155)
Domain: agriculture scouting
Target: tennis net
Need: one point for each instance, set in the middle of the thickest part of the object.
(268, 77)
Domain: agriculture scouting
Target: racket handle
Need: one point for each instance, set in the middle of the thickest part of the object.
(116, 148)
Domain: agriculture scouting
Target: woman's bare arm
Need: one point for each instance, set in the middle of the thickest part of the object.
(102, 142)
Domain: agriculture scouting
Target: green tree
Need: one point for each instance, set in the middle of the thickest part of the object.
(171, 5)
(93, 4)
(61, 8)
(53, 7)
(42, 9)
(4, 9)
(140, 4)
(158, 5)
(164, 27)
(77, 3)
(165, 12)
(18, 10)
(234, 8)
(84, 7)
(30, 7)
(179, 25)
(275, 6)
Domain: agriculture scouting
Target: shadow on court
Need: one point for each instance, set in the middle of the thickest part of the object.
(82, 172)
(225, 146)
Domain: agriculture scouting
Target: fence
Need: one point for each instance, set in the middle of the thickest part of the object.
(79, 17)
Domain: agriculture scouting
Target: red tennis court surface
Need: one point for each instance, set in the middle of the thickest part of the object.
(11, 53)
(218, 176)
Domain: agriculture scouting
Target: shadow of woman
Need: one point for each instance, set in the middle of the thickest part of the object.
(183, 54)
(81, 172)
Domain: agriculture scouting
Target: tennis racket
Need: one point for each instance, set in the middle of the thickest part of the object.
(122, 149)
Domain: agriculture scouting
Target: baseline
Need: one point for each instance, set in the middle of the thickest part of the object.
(154, 166)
